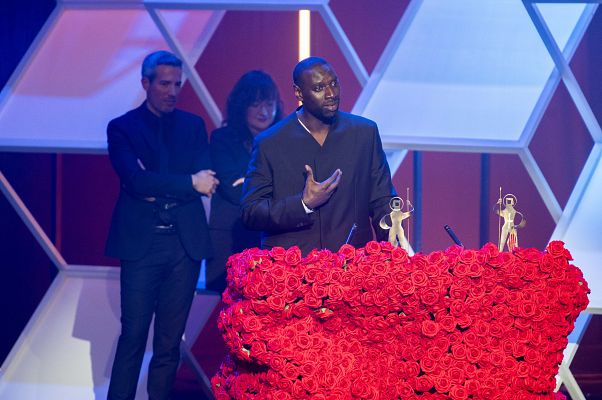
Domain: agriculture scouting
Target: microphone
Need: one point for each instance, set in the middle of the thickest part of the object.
(452, 235)
(353, 228)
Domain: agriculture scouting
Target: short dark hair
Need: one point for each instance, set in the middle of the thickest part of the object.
(252, 87)
(161, 57)
(304, 65)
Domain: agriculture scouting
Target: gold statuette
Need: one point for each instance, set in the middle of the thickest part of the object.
(507, 232)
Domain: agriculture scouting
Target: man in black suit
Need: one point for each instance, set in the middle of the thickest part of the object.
(317, 172)
(159, 229)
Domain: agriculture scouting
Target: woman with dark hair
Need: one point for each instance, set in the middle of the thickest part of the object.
(252, 106)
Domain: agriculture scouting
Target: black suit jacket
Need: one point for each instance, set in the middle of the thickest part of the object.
(137, 135)
(276, 177)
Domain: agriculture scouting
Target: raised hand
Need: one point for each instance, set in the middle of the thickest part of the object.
(205, 182)
(317, 193)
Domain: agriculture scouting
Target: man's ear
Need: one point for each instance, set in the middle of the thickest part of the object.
(145, 83)
(298, 93)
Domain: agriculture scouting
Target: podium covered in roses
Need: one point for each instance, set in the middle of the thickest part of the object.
(375, 323)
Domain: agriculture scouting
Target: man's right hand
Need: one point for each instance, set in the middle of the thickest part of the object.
(205, 182)
(317, 193)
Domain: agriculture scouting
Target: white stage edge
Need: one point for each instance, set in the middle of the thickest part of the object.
(67, 349)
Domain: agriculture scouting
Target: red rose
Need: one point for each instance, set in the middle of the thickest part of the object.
(412, 369)
(509, 363)
(527, 309)
(319, 291)
(448, 323)
(458, 392)
(292, 282)
(262, 289)
(372, 247)
(277, 253)
(430, 328)
(496, 358)
(442, 384)
(423, 383)
(468, 256)
(310, 384)
(457, 308)
(473, 354)
(436, 257)
(292, 256)
(406, 287)
(481, 328)
(474, 270)
(276, 361)
(278, 272)
(280, 290)
(312, 301)
(260, 306)
(381, 268)
(360, 387)
(456, 375)
(556, 249)
(429, 297)
(285, 385)
(443, 343)
(458, 291)
(432, 270)
(276, 303)
(546, 263)
(290, 371)
(251, 323)
(427, 365)
(522, 370)
(351, 295)
(348, 251)
(490, 249)
(404, 390)
(399, 255)
(459, 351)
(367, 298)
(370, 284)
(518, 349)
(453, 252)
(298, 391)
(434, 353)
(419, 278)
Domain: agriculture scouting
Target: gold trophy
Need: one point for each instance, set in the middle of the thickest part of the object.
(507, 233)
(393, 222)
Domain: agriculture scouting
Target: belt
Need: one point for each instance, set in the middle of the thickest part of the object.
(167, 206)
(161, 206)
(170, 228)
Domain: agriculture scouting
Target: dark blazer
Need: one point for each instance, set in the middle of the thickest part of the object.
(230, 157)
(135, 136)
(276, 177)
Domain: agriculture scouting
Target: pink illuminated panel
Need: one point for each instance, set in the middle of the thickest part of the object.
(85, 72)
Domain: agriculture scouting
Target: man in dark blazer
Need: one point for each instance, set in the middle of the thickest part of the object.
(159, 229)
(319, 174)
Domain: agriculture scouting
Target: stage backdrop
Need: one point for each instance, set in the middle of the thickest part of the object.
(466, 94)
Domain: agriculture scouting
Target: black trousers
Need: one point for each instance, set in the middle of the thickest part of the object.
(225, 243)
(162, 284)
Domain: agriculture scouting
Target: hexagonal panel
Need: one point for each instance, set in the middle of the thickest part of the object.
(449, 76)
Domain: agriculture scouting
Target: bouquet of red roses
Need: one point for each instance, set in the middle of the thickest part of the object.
(375, 323)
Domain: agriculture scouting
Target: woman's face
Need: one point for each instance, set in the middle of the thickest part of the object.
(260, 115)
